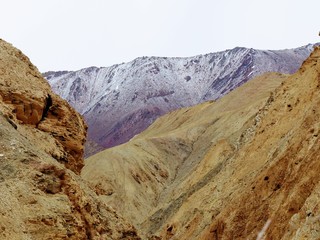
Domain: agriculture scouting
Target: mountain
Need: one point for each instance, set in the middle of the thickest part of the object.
(41, 155)
(243, 167)
(120, 101)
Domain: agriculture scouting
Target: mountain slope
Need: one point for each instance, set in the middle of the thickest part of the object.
(119, 102)
(41, 155)
(148, 171)
(222, 170)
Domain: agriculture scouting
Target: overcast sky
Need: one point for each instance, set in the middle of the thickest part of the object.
(73, 34)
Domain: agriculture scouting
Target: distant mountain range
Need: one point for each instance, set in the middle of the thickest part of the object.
(120, 101)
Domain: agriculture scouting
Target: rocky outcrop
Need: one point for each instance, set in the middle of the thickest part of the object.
(29, 100)
(121, 101)
(243, 167)
(41, 149)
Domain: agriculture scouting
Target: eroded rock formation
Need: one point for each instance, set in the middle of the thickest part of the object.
(29, 100)
(41, 148)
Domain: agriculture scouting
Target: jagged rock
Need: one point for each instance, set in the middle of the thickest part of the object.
(29, 100)
(41, 145)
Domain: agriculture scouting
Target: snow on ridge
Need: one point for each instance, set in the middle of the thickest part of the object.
(109, 95)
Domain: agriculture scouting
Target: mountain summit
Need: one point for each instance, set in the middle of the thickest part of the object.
(120, 101)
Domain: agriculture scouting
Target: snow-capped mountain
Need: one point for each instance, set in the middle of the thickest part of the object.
(120, 101)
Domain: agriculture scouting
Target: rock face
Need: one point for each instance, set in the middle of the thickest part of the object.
(27, 99)
(41, 155)
(244, 166)
(119, 102)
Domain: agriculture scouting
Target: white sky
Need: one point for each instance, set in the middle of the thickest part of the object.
(73, 34)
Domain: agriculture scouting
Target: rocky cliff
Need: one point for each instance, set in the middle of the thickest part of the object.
(243, 167)
(41, 156)
(120, 101)
(28, 100)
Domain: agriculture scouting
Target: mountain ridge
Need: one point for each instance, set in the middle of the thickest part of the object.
(222, 170)
(120, 101)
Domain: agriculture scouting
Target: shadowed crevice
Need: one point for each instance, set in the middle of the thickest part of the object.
(48, 104)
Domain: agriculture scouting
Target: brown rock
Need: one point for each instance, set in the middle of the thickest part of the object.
(29, 100)
(283, 154)
(41, 147)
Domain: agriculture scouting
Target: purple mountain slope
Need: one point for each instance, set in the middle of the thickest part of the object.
(120, 101)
